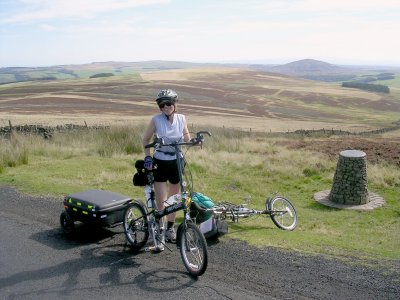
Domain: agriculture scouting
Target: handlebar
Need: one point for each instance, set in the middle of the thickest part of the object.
(158, 142)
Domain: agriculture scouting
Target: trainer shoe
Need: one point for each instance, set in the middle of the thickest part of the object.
(170, 235)
(153, 248)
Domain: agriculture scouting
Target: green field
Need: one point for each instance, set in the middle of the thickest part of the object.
(232, 165)
(60, 74)
(391, 83)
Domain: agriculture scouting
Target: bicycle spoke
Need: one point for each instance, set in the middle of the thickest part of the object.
(283, 213)
(135, 226)
(194, 250)
(289, 211)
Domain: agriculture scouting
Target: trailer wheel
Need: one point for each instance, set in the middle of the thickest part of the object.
(67, 224)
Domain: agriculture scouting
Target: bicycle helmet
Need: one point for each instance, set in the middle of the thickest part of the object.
(167, 95)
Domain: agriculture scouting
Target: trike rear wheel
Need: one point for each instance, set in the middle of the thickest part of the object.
(193, 248)
(136, 226)
(283, 213)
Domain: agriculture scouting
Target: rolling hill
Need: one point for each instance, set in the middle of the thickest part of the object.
(315, 70)
(306, 68)
(233, 97)
(309, 66)
(17, 74)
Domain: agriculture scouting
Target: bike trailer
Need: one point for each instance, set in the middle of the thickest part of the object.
(209, 225)
(103, 208)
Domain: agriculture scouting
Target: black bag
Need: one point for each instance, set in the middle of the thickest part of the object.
(104, 208)
(140, 177)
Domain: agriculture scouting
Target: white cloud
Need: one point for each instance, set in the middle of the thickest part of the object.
(322, 6)
(47, 27)
(347, 5)
(52, 9)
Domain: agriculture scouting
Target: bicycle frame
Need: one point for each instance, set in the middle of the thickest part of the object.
(280, 209)
(184, 204)
(159, 214)
(235, 212)
(139, 222)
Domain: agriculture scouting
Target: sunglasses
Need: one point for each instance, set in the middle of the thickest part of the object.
(162, 105)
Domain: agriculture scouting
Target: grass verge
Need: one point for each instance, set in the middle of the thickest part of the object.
(231, 166)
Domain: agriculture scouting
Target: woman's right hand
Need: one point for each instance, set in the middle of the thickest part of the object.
(148, 162)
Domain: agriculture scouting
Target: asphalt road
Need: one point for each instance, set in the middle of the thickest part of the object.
(37, 261)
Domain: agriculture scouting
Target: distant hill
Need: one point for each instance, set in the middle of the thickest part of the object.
(308, 66)
(17, 74)
(305, 68)
(314, 70)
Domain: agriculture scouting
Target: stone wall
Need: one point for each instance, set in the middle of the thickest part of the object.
(45, 131)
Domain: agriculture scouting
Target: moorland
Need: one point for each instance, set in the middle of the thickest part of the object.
(255, 149)
(224, 96)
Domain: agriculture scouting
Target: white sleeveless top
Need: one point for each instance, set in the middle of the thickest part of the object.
(170, 133)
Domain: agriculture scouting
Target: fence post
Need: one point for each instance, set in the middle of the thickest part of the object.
(9, 124)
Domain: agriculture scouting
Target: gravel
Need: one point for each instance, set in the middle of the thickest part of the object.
(267, 272)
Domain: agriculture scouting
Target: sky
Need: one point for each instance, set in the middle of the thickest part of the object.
(36, 33)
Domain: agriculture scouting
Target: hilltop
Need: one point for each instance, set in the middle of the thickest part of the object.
(309, 66)
(315, 70)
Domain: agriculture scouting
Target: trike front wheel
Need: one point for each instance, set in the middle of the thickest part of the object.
(136, 226)
(283, 213)
(193, 248)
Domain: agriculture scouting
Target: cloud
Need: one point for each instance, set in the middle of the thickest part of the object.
(354, 5)
(38, 10)
(201, 30)
(318, 6)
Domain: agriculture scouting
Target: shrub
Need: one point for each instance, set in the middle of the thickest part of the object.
(366, 86)
(13, 153)
(119, 140)
(102, 75)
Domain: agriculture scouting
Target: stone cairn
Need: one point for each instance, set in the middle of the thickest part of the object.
(350, 180)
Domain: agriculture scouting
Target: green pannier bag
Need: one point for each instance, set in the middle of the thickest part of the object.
(208, 224)
(204, 202)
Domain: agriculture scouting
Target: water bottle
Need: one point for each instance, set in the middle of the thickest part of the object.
(147, 192)
(172, 200)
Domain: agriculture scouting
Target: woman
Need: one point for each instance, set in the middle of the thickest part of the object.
(170, 126)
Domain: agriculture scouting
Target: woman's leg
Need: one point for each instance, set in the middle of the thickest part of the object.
(161, 192)
(173, 190)
(170, 234)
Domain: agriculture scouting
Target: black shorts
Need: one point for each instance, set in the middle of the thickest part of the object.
(166, 171)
